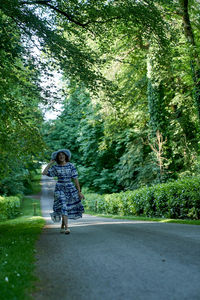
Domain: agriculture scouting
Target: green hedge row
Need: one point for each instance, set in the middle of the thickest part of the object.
(9, 207)
(179, 200)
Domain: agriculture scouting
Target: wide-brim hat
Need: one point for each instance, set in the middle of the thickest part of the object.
(66, 151)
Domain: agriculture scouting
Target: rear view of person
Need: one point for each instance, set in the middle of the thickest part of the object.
(67, 196)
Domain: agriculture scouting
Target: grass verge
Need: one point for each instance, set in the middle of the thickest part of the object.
(137, 218)
(17, 251)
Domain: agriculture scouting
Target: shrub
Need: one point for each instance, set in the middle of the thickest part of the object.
(9, 207)
(94, 202)
(178, 199)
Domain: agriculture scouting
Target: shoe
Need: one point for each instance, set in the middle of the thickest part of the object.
(62, 230)
(67, 231)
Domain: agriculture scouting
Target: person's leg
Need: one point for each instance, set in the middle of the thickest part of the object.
(63, 224)
(62, 229)
(65, 219)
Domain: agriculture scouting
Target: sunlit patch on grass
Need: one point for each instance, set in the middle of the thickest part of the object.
(141, 218)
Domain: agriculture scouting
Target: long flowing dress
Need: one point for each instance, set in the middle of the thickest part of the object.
(66, 197)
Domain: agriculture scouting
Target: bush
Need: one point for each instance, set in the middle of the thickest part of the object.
(94, 202)
(179, 200)
(9, 207)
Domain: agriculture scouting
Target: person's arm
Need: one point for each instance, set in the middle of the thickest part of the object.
(45, 171)
(78, 188)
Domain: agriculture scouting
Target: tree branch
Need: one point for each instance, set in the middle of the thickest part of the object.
(68, 16)
(186, 22)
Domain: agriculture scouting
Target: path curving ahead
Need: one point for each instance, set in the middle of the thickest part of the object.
(106, 259)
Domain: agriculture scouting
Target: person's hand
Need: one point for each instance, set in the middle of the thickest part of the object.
(45, 171)
(81, 196)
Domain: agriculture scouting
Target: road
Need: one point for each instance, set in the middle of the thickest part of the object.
(107, 259)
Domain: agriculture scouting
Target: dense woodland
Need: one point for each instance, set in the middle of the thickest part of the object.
(130, 90)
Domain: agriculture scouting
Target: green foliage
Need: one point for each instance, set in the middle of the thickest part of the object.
(135, 57)
(9, 207)
(21, 118)
(94, 202)
(32, 181)
(80, 129)
(37, 23)
(178, 200)
(23, 177)
(136, 165)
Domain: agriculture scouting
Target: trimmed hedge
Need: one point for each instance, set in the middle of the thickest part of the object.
(9, 207)
(94, 202)
(178, 200)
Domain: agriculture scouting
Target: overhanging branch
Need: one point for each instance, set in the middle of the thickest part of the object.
(68, 16)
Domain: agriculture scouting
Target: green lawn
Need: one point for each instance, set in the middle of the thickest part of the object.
(17, 251)
(136, 218)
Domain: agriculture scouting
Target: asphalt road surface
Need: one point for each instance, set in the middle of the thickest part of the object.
(107, 259)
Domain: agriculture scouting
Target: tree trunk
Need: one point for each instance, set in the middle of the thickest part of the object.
(194, 55)
(155, 95)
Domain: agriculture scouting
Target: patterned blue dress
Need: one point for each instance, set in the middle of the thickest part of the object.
(66, 197)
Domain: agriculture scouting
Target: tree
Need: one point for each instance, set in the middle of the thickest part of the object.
(33, 21)
(20, 115)
(195, 61)
(132, 58)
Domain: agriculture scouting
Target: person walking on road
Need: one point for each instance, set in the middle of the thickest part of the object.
(67, 196)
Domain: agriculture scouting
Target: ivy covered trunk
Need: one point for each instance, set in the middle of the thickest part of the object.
(156, 106)
(157, 110)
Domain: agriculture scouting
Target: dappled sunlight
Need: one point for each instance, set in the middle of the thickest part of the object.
(165, 220)
(33, 218)
(94, 222)
(21, 220)
(107, 223)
